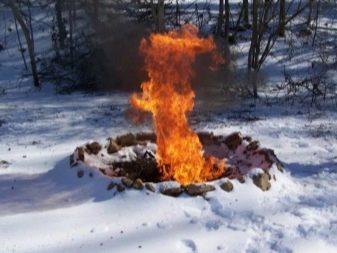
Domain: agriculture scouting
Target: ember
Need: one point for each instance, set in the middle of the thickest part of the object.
(168, 95)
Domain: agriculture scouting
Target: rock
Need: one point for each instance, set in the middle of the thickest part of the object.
(233, 141)
(120, 188)
(268, 156)
(207, 138)
(262, 181)
(227, 186)
(93, 148)
(173, 192)
(241, 179)
(199, 189)
(254, 145)
(80, 153)
(111, 186)
(138, 184)
(150, 187)
(80, 173)
(248, 138)
(113, 147)
(146, 137)
(126, 140)
(127, 181)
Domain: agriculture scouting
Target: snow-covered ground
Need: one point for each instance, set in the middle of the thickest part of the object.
(45, 207)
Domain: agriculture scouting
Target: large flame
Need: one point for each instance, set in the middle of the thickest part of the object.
(168, 95)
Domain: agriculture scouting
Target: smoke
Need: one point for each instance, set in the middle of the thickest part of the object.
(117, 59)
(120, 66)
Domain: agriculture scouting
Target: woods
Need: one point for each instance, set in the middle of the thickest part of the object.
(77, 26)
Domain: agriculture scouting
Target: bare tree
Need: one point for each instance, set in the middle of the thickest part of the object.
(22, 50)
(265, 34)
(310, 7)
(220, 17)
(158, 13)
(245, 6)
(227, 11)
(61, 30)
(282, 18)
(27, 31)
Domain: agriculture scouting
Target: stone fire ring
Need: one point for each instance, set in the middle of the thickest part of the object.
(130, 159)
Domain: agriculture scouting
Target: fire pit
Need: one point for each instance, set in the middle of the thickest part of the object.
(175, 152)
(132, 159)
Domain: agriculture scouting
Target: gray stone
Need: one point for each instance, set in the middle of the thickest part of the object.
(113, 147)
(199, 189)
(227, 186)
(173, 192)
(93, 148)
(262, 181)
(126, 140)
(127, 181)
(233, 141)
(150, 187)
(138, 184)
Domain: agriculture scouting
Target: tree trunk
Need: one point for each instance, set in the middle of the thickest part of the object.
(71, 31)
(311, 5)
(177, 12)
(20, 44)
(252, 56)
(161, 16)
(227, 11)
(30, 42)
(282, 18)
(61, 30)
(220, 17)
(245, 12)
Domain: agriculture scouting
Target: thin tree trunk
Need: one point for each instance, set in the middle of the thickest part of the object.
(316, 22)
(161, 16)
(61, 31)
(252, 56)
(30, 42)
(311, 5)
(220, 17)
(177, 12)
(71, 30)
(245, 12)
(227, 11)
(20, 44)
(282, 18)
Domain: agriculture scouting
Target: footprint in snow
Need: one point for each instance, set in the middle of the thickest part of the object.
(187, 246)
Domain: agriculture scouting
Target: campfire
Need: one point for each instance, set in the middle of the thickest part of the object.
(174, 152)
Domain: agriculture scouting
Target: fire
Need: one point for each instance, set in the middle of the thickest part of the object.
(168, 95)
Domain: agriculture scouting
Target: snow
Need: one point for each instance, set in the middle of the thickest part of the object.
(45, 207)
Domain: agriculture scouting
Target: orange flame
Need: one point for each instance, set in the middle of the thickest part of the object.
(168, 95)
